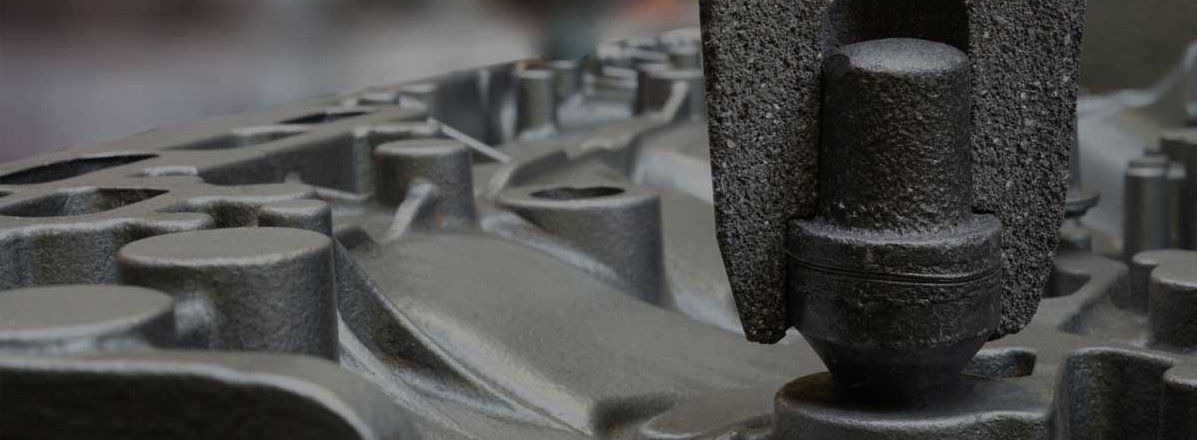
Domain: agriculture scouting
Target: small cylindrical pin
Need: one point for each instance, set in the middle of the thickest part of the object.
(1181, 146)
(567, 78)
(1173, 290)
(1146, 219)
(684, 56)
(536, 102)
(308, 214)
(648, 93)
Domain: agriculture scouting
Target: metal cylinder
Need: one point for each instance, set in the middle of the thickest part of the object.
(1177, 401)
(258, 289)
(895, 282)
(311, 215)
(1140, 268)
(685, 56)
(1181, 146)
(425, 95)
(619, 225)
(1146, 219)
(443, 163)
(536, 102)
(1173, 290)
(649, 94)
(896, 112)
(1177, 177)
(567, 78)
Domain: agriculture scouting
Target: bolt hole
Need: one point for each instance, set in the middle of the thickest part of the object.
(571, 193)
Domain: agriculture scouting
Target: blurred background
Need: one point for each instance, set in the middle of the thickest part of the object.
(84, 71)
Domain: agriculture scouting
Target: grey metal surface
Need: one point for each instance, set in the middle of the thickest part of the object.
(763, 63)
(532, 316)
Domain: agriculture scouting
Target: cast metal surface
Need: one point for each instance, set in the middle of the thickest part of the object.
(405, 262)
(763, 63)
(895, 282)
(1181, 147)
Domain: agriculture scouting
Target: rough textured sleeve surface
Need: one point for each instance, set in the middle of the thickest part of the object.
(763, 116)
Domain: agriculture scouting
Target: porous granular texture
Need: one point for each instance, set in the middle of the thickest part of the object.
(762, 60)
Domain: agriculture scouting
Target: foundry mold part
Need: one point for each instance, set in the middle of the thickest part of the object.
(438, 170)
(509, 328)
(620, 226)
(763, 61)
(895, 282)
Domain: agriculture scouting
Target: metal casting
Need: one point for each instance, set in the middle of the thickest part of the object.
(410, 262)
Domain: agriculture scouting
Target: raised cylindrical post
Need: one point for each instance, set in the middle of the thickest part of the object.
(1147, 222)
(1177, 178)
(311, 215)
(423, 94)
(536, 103)
(443, 163)
(257, 289)
(685, 56)
(1181, 146)
(1141, 266)
(895, 282)
(567, 78)
(620, 226)
(649, 94)
(1173, 298)
(659, 86)
(894, 150)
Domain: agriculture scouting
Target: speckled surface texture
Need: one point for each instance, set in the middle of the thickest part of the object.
(762, 62)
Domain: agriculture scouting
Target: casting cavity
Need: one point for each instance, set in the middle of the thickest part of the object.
(895, 282)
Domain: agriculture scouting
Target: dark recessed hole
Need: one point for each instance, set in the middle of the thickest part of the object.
(79, 203)
(329, 115)
(68, 169)
(246, 137)
(570, 193)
